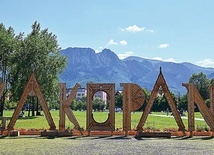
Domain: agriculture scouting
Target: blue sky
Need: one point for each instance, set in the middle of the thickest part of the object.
(177, 31)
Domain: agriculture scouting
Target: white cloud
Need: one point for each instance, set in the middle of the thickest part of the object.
(163, 45)
(170, 60)
(125, 55)
(158, 58)
(206, 63)
(133, 28)
(112, 42)
(166, 60)
(97, 51)
(150, 30)
(123, 42)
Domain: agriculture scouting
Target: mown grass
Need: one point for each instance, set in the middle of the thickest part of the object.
(152, 122)
(105, 145)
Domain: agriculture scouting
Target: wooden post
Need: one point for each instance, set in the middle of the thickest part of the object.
(126, 108)
(2, 87)
(191, 110)
(133, 99)
(161, 83)
(109, 124)
(212, 99)
(62, 87)
(195, 98)
(32, 88)
(3, 123)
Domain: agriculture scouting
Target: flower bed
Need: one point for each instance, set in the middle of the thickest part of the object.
(145, 132)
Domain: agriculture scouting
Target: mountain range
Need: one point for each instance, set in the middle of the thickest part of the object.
(84, 65)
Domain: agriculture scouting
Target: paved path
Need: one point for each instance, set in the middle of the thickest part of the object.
(183, 117)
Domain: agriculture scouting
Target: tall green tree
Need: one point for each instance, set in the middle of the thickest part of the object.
(212, 81)
(119, 99)
(202, 83)
(7, 42)
(98, 104)
(147, 94)
(183, 101)
(38, 52)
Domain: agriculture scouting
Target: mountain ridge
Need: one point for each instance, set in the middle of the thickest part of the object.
(85, 65)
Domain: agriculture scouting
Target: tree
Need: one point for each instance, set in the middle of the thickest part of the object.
(156, 103)
(98, 104)
(147, 94)
(74, 105)
(38, 53)
(202, 83)
(212, 81)
(119, 99)
(7, 42)
(183, 102)
(163, 105)
(83, 102)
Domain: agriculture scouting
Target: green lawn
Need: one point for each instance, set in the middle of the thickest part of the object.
(152, 122)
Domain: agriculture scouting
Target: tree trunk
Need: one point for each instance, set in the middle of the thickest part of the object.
(1, 106)
(29, 111)
(4, 79)
(33, 106)
(37, 107)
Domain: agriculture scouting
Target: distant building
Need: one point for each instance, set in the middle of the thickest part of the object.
(82, 92)
(102, 95)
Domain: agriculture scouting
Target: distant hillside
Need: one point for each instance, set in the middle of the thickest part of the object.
(84, 65)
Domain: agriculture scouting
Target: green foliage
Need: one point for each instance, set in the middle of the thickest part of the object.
(98, 104)
(38, 52)
(74, 105)
(10, 105)
(161, 103)
(183, 102)
(119, 100)
(79, 104)
(147, 94)
(207, 102)
(21, 55)
(7, 44)
(202, 83)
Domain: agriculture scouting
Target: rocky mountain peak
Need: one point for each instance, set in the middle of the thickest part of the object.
(85, 65)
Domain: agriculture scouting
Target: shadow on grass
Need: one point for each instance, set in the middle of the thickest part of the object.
(181, 138)
(7, 118)
(36, 137)
(19, 137)
(207, 138)
(109, 138)
(21, 118)
(2, 136)
(194, 138)
(149, 138)
(50, 137)
(120, 138)
(75, 137)
(138, 138)
(28, 117)
(106, 137)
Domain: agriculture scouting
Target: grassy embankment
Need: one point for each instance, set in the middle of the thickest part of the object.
(152, 122)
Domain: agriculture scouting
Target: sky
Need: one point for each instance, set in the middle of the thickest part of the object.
(168, 30)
